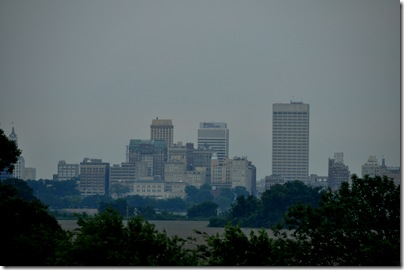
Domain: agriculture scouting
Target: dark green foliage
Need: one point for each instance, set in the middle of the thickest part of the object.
(56, 194)
(357, 225)
(197, 196)
(203, 210)
(28, 234)
(103, 240)
(9, 153)
(269, 209)
(234, 248)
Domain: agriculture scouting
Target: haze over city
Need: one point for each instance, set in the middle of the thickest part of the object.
(81, 78)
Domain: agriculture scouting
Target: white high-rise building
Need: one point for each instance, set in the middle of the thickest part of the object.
(290, 141)
(216, 136)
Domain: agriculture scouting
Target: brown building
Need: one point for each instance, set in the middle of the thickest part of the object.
(162, 129)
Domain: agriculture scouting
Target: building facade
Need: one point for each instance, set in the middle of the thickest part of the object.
(67, 171)
(94, 177)
(290, 141)
(372, 168)
(121, 178)
(216, 136)
(150, 153)
(162, 129)
(232, 173)
(29, 174)
(338, 172)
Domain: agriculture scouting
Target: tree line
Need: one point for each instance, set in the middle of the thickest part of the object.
(357, 225)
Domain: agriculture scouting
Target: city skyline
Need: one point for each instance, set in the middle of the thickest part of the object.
(80, 79)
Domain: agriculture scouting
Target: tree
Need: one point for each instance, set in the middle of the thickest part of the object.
(356, 226)
(103, 240)
(279, 198)
(203, 210)
(29, 235)
(9, 153)
(119, 190)
(234, 248)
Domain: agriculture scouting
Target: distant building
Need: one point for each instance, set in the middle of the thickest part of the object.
(338, 172)
(216, 136)
(202, 158)
(29, 174)
(290, 141)
(273, 180)
(318, 181)
(67, 171)
(184, 153)
(150, 152)
(234, 172)
(162, 129)
(94, 177)
(19, 167)
(372, 168)
(174, 171)
(159, 189)
(121, 175)
(196, 177)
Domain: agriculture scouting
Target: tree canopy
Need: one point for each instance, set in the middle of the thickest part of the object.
(9, 153)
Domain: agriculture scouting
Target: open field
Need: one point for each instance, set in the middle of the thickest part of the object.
(180, 228)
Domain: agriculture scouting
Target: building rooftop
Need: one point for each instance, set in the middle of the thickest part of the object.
(162, 122)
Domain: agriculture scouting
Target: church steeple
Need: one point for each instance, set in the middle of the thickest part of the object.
(13, 136)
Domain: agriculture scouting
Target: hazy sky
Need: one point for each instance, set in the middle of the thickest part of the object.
(81, 78)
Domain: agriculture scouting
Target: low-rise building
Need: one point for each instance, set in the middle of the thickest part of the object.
(67, 171)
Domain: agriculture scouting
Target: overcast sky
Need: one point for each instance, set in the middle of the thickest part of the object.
(81, 78)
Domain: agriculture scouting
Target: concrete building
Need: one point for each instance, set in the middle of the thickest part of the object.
(121, 178)
(94, 177)
(234, 172)
(159, 189)
(174, 171)
(184, 153)
(318, 181)
(19, 167)
(29, 174)
(150, 152)
(290, 141)
(67, 171)
(202, 158)
(338, 172)
(216, 136)
(272, 180)
(372, 168)
(162, 129)
(196, 177)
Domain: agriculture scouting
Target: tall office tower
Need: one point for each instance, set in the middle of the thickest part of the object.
(216, 136)
(67, 171)
(162, 129)
(290, 141)
(94, 177)
(338, 172)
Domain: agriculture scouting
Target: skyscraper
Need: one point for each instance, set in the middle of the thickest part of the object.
(216, 136)
(290, 140)
(162, 129)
